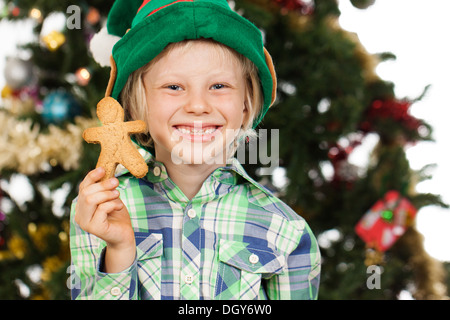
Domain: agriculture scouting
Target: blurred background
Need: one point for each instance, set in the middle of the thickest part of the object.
(362, 113)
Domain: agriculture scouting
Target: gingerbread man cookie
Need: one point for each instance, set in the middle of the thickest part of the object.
(115, 141)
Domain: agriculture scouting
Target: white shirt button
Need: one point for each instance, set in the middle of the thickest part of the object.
(115, 291)
(191, 213)
(157, 171)
(188, 279)
(253, 258)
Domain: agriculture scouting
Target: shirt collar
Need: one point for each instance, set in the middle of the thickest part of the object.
(229, 174)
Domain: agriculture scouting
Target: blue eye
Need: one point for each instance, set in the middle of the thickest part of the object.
(174, 87)
(218, 86)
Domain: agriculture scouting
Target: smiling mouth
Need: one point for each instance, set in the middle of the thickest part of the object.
(197, 130)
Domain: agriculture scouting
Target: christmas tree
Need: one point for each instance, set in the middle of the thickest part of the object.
(46, 104)
(330, 100)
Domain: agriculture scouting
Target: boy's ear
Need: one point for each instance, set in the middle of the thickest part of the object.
(246, 120)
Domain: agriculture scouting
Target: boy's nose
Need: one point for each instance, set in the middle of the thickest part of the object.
(197, 104)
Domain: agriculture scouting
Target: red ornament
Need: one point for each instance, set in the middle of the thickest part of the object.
(386, 221)
(93, 16)
(297, 5)
(338, 156)
(397, 110)
(15, 11)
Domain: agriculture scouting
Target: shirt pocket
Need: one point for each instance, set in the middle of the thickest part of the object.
(241, 268)
(149, 252)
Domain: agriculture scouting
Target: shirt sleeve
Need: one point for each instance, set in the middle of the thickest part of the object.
(301, 278)
(87, 281)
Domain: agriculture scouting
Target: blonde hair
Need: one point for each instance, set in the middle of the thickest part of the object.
(133, 97)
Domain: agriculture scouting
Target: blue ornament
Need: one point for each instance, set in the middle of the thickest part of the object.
(60, 106)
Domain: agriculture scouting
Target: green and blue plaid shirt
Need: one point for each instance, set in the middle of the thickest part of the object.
(233, 240)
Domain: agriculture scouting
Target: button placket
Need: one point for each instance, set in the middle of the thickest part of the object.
(191, 253)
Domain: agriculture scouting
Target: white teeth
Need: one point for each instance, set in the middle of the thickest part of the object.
(209, 131)
(185, 131)
(197, 131)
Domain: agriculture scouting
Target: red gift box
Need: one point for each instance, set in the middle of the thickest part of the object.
(386, 221)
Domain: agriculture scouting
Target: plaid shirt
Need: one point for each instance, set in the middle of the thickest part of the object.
(233, 240)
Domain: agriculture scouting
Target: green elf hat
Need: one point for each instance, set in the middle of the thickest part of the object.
(147, 27)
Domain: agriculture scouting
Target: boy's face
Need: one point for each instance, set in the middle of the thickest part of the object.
(195, 99)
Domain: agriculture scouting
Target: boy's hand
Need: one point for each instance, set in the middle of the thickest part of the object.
(100, 212)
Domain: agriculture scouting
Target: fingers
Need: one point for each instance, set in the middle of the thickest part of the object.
(100, 203)
(100, 212)
(93, 177)
(98, 223)
(93, 193)
(92, 201)
(92, 183)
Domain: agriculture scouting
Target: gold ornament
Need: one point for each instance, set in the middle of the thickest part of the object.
(40, 234)
(5, 255)
(54, 40)
(7, 92)
(373, 257)
(28, 151)
(17, 246)
(49, 266)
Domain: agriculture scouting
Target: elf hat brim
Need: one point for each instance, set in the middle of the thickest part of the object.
(161, 22)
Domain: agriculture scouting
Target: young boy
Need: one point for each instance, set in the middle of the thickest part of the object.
(196, 226)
